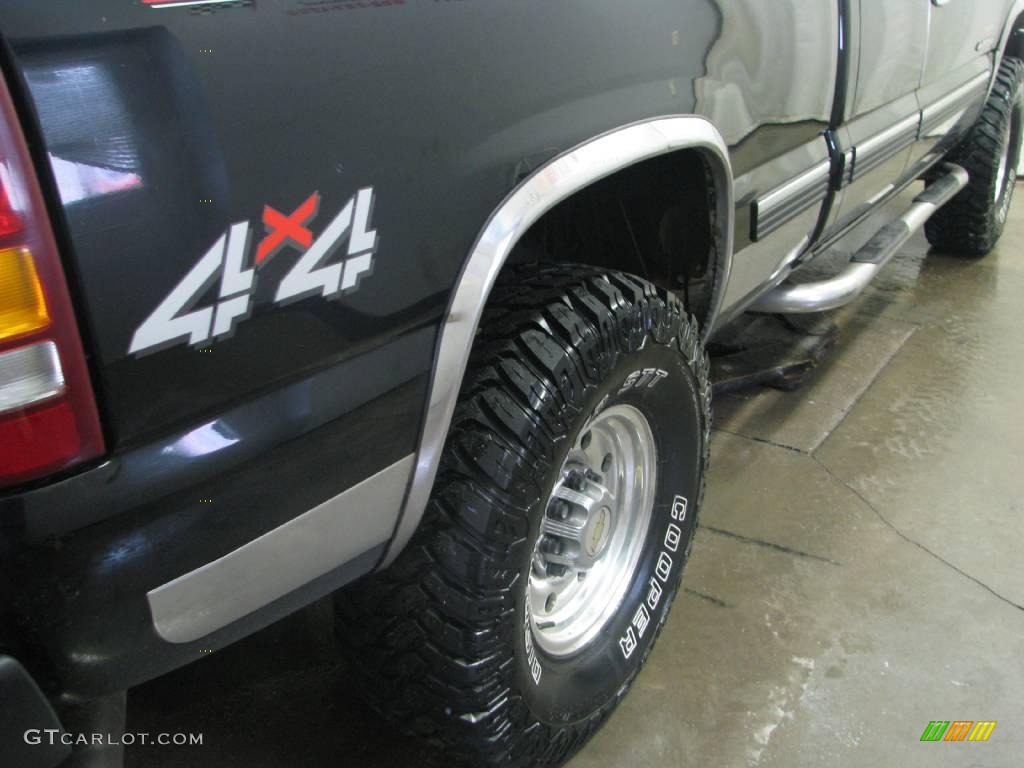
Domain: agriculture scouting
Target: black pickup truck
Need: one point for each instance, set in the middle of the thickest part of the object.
(295, 292)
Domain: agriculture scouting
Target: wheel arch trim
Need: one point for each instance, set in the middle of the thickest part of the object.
(549, 185)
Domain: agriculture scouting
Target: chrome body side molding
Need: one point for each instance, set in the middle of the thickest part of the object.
(281, 560)
(789, 200)
(870, 154)
(953, 105)
(549, 185)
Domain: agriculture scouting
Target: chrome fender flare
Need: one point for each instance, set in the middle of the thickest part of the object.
(550, 184)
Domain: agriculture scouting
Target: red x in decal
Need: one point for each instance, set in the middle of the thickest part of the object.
(281, 228)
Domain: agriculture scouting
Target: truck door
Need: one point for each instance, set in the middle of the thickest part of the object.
(961, 38)
(769, 86)
(881, 117)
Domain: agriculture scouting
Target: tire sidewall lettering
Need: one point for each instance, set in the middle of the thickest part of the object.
(658, 382)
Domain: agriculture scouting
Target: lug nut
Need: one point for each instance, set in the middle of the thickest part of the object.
(551, 546)
(574, 480)
(559, 510)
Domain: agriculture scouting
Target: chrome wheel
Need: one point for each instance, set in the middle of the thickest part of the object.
(594, 530)
(1004, 166)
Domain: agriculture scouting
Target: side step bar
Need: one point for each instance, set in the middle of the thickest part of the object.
(869, 260)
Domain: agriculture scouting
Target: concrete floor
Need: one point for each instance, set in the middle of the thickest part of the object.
(859, 571)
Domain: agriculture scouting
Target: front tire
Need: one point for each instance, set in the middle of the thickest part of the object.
(973, 221)
(580, 442)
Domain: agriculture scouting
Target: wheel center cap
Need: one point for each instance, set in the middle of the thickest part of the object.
(599, 533)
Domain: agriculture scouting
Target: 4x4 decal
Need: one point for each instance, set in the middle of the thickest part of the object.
(176, 318)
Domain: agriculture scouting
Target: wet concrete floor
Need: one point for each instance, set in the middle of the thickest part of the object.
(858, 572)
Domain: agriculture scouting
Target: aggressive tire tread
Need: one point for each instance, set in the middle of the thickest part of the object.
(970, 224)
(432, 634)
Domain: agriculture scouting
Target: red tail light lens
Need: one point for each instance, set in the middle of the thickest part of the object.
(48, 417)
(10, 221)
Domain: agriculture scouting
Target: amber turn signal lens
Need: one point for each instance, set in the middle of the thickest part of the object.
(22, 306)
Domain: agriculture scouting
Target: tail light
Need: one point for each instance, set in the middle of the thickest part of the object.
(48, 417)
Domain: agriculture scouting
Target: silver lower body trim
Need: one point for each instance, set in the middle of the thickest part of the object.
(951, 107)
(288, 557)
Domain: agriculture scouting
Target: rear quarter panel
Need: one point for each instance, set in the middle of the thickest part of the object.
(164, 126)
(199, 116)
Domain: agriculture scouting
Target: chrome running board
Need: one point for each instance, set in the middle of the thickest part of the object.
(869, 260)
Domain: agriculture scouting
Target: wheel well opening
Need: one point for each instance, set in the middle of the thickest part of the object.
(653, 219)
(1015, 44)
